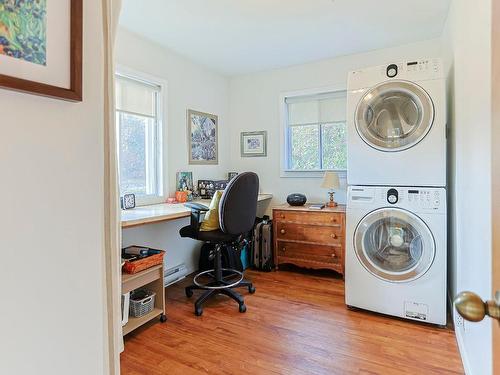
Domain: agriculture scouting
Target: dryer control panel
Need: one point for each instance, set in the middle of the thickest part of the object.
(413, 70)
(411, 198)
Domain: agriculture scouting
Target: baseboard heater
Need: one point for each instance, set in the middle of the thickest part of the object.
(174, 274)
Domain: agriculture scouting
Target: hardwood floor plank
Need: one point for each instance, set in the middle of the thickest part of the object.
(296, 323)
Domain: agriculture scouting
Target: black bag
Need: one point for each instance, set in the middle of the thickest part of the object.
(231, 257)
(262, 245)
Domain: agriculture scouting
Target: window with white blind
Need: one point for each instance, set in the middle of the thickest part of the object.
(139, 129)
(315, 132)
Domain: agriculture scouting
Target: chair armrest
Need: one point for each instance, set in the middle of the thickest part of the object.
(196, 210)
(196, 207)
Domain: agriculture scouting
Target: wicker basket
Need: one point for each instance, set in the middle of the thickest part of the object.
(143, 263)
(142, 302)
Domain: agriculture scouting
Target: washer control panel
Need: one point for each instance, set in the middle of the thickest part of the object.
(424, 198)
(421, 199)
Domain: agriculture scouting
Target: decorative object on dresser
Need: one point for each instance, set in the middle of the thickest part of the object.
(254, 143)
(331, 182)
(309, 238)
(296, 199)
(202, 137)
(231, 175)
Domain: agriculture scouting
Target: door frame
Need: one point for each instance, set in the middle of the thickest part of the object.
(495, 171)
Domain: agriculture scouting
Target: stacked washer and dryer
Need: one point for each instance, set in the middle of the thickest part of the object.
(396, 205)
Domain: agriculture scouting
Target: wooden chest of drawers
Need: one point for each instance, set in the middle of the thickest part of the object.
(309, 238)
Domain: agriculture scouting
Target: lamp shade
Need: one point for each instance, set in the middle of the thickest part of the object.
(330, 181)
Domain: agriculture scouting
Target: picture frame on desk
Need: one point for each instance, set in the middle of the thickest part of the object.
(206, 189)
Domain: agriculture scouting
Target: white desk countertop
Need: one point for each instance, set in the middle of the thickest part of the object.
(163, 212)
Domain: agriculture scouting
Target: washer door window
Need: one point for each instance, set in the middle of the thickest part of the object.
(394, 116)
(394, 245)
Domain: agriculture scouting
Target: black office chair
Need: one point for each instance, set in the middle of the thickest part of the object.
(237, 210)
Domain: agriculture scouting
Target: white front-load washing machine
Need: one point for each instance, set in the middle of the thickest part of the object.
(396, 125)
(396, 251)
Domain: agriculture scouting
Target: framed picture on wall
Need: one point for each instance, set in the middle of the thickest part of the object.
(41, 47)
(254, 143)
(202, 137)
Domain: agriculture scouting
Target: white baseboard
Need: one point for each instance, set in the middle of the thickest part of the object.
(463, 354)
(459, 338)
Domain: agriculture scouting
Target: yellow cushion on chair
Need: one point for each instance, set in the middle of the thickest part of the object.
(211, 220)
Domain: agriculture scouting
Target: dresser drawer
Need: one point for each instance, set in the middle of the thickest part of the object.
(314, 218)
(315, 253)
(309, 233)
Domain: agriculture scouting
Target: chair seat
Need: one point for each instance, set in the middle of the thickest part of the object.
(211, 236)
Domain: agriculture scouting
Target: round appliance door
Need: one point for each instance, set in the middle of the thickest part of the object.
(394, 116)
(394, 245)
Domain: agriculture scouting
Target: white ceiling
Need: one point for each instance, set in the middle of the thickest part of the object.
(242, 36)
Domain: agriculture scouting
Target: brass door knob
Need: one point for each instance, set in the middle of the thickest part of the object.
(472, 308)
(282, 231)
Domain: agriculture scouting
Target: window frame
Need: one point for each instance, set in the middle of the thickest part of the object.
(285, 136)
(161, 137)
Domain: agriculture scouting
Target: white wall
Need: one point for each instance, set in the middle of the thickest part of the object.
(189, 86)
(467, 45)
(51, 158)
(254, 105)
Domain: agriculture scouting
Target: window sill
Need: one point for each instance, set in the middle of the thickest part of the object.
(147, 200)
(292, 173)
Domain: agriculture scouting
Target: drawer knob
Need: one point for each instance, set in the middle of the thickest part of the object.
(333, 235)
(282, 216)
(282, 231)
(283, 249)
(333, 255)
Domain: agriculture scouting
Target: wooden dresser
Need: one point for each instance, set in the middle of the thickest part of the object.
(309, 238)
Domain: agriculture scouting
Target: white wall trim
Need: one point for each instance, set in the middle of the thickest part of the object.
(163, 131)
(284, 145)
(463, 352)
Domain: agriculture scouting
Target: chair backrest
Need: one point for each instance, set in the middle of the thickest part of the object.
(238, 205)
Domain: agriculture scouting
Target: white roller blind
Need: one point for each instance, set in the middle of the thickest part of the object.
(135, 96)
(317, 109)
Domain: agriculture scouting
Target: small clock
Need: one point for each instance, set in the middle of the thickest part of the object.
(127, 201)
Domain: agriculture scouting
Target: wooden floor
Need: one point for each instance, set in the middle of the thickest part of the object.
(296, 323)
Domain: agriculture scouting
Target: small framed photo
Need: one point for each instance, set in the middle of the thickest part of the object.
(231, 175)
(206, 188)
(254, 143)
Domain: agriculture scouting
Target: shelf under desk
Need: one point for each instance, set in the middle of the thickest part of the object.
(163, 212)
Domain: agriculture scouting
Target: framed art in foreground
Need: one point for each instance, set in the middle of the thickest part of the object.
(41, 47)
(202, 138)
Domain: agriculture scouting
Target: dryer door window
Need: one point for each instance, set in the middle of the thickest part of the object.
(394, 116)
(394, 245)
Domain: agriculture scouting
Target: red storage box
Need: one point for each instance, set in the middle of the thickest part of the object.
(138, 265)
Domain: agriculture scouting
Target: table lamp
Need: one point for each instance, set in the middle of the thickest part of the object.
(331, 181)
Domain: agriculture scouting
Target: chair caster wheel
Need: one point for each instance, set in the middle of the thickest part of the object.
(189, 293)
(251, 289)
(243, 308)
(163, 318)
(198, 311)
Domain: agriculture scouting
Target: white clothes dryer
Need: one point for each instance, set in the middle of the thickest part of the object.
(397, 125)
